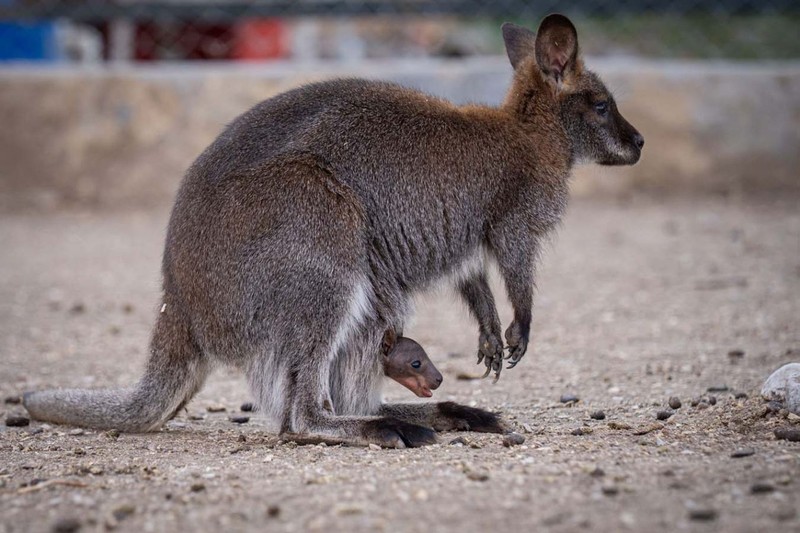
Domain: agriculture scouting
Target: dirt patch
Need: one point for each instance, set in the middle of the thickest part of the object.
(638, 302)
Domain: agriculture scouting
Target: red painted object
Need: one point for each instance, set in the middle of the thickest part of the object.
(258, 39)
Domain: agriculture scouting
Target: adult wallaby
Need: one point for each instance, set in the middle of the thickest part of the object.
(298, 237)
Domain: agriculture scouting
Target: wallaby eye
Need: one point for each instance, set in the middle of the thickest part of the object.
(601, 108)
(416, 364)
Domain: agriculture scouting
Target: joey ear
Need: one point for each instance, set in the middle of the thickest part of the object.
(557, 47)
(389, 341)
(520, 43)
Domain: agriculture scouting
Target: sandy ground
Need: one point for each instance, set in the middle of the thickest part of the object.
(638, 301)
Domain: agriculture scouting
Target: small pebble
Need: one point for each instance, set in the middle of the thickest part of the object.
(123, 511)
(675, 402)
(740, 395)
(239, 419)
(597, 415)
(702, 405)
(477, 476)
(695, 402)
(13, 400)
(66, 525)
(703, 514)
(76, 432)
(374, 447)
(743, 452)
(610, 490)
(77, 309)
(513, 439)
(569, 398)
(736, 354)
(581, 431)
(112, 433)
(619, 425)
(718, 388)
(761, 487)
(273, 511)
(462, 441)
(597, 472)
(663, 414)
(712, 400)
(197, 487)
(13, 421)
(247, 407)
(790, 434)
(215, 409)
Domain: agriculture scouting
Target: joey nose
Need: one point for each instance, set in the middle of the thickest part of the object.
(638, 140)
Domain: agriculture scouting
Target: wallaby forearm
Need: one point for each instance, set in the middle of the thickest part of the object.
(477, 294)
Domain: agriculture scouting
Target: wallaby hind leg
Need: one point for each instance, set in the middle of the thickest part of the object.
(309, 355)
(175, 371)
(446, 416)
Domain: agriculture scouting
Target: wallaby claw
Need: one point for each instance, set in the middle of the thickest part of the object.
(517, 345)
(490, 352)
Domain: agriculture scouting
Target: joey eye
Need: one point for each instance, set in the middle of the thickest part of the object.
(601, 108)
(416, 364)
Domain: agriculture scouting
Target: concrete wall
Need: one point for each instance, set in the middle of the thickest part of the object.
(124, 136)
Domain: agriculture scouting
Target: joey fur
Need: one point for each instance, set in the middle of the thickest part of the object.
(406, 362)
(299, 236)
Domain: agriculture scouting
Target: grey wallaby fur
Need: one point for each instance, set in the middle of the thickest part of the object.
(299, 236)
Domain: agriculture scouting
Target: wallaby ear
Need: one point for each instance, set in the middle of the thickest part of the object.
(557, 47)
(389, 341)
(520, 43)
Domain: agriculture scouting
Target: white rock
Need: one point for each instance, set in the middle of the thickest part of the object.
(783, 386)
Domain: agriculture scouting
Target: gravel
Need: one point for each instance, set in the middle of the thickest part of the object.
(618, 323)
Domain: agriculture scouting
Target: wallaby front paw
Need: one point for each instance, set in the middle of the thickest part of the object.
(490, 351)
(517, 344)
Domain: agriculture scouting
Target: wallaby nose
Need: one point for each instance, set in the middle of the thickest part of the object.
(638, 140)
(438, 380)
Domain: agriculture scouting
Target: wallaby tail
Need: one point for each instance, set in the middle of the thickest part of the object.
(174, 373)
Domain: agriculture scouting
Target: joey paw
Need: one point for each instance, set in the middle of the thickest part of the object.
(464, 418)
(393, 433)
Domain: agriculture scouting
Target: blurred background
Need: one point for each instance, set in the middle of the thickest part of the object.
(107, 102)
(192, 30)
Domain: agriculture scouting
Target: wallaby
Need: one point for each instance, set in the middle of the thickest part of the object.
(406, 362)
(299, 236)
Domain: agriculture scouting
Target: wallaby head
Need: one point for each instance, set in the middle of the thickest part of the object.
(406, 362)
(548, 69)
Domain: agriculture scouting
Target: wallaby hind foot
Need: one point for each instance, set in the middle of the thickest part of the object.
(446, 416)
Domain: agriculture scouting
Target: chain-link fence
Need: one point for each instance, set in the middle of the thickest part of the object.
(130, 30)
